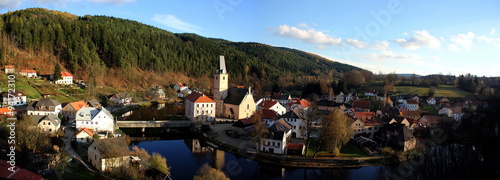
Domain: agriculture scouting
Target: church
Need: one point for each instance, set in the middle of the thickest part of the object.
(231, 102)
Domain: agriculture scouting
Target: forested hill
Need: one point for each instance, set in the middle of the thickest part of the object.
(79, 43)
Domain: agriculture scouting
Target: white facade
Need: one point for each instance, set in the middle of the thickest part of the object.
(56, 111)
(83, 137)
(16, 99)
(276, 106)
(200, 111)
(298, 125)
(65, 80)
(93, 118)
(274, 146)
(431, 101)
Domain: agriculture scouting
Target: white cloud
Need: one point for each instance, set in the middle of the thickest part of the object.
(493, 31)
(419, 39)
(320, 47)
(309, 36)
(461, 42)
(492, 41)
(173, 22)
(380, 45)
(353, 42)
(303, 25)
(385, 55)
(116, 2)
(10, 4)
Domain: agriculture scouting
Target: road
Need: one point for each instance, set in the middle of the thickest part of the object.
(69, 133)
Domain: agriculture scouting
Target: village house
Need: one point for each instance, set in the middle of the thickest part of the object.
(411, 114)
(298, 103)
(409, 105)
(269, 116)
(199, 108)
(44, 106)
(66, 79)
(9, 69)
(371, 123)
(234, 102)
(297, 122)
(271, 105)
(7, 111)
(357, 126)
(361, 106)
(371, 92)
(444, 100)
(431, 100)
(121, 99)
(281, 98)
(70, 109)
(106, 154)
(28, 73)
(17, 98)
(454, 112)
(84, 135)
(47, 123)
(93, 118)
(396, 136)
(94, 103)
(158, 93)
(278, 135)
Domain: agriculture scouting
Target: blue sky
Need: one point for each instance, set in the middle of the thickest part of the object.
(402, 36)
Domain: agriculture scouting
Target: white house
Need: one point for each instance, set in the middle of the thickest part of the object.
(44, 106)
(409, 105)
(9, 69)
(28, 73)
(199, 107)
(16, 98)
(85, 135)
(66, 78)
(454, 112)
(278, 135)
(297, 123)
(271, 105)
(121, 99)
(431, 100)
(371, 92)
(93, 118)
(109, 153)
(47, 123)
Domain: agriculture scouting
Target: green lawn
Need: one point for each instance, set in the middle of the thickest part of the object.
(443, 90)
(348, 150)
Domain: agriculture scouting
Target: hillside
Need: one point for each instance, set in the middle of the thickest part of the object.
(124, 53)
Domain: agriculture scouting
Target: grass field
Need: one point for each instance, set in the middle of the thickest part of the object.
(444, 91)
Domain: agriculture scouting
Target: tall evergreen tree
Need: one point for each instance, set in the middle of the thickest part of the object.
(57, 72)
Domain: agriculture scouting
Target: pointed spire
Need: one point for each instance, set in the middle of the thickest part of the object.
(222, 65)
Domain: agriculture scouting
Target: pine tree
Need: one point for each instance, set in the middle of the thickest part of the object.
(57, 72)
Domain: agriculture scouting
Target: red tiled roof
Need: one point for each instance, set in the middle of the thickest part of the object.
(411, 101)
(294, 146)
(364, 115)
(266, 104)
(28, 71)
(361, 104)
(9, 66)
(87, 130)
(66, 74)
(429, 98)
(199, 98)
(79, 104)
(18, 173)
(269, 114)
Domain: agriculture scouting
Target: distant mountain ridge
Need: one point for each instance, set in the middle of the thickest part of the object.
(90, 43)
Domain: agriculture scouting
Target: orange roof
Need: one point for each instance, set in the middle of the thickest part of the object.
(79, 104)
(28, 71)
(303, 102)
(180, 84)
(9, 67)
(364, 115)
(90, 132)
(199, 98)
(66, 74)
(4, 110)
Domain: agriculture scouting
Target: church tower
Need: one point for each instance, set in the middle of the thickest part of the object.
(220, 86)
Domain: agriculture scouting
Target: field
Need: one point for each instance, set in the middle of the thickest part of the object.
(441, 91)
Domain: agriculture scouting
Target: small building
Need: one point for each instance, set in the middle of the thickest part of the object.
(93, 118)
(70, 109)
(361, 106)
(28, 73)
(121, 99)
(199, 108)
(47, 123)
(281, 98)
(158, 92)
(454, 112)
(297, 123)
(94, 103)
(44, 106)
(106, 154)
(16, 98)
(277, 137)
(371, 92)
(9, 69)
(7, 111)
(84, 135)
(431, 100)
(295, 149)
(66, 78)
(271, 105)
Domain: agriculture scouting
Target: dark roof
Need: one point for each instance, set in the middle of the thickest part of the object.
(325, 102)
(269, 114)
(112, 147)
(361, 104)
(278, 129)
(93, 103)
(46, 102)
(51, 117)
(235, 95)
(15, 93)
(293, 114)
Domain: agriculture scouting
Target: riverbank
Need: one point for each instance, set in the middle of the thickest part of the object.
(246, 149)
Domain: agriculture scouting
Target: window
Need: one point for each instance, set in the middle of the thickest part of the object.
(94, 148)
(248, 106)
(48, 123)
(43, 123)
(95, 156)
(273, 143)
(278, 144)
(223, 77)
(95, 123)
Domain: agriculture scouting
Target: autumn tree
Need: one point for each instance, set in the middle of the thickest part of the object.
(260, 129)
(354, 79)
(334, 133)
(208, 173)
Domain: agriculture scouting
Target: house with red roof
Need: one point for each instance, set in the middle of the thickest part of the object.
(69, 109)
(271, 105)
(84, 135)
(361, 106)
(28, 73)
(7, 171)
(9, 69)
(66, 78)
(431, 100)
(199, 107)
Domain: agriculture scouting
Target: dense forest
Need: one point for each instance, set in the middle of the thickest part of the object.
(99, 43)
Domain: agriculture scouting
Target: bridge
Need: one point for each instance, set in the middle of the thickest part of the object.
(154, 124)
